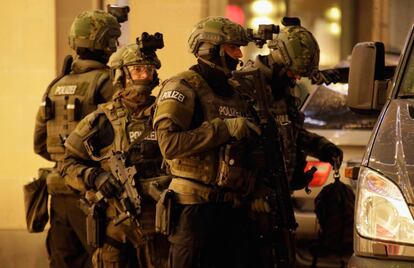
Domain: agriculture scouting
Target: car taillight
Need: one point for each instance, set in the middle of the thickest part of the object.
(381, 210)
(321, 175)
(351, 172)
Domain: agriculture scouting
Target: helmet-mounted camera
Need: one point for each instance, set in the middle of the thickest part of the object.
(149, 43)
(119, 12)
(291, 21)
(264, 33)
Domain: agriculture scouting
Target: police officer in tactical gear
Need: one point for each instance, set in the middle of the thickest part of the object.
(294, 53)
(198, 116)
(70, 97)
(123, 125)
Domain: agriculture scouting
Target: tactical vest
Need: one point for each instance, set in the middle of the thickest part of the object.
(203, 166)
(69, 100)
(131, 133)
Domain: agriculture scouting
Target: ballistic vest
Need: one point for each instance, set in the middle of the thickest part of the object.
(203, 167)
(69, 100)
(132, 132)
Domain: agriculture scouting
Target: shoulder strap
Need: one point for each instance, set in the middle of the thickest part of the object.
(117, 115)
(196, 81)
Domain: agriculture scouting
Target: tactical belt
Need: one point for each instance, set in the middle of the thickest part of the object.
(115, 243)
(191, 192)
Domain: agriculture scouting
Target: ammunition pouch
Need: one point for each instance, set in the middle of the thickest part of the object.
(56, 183)
(233, 172)
(36, 202)
(163, 212)
(154, 187)
(47, 109)
(74, 109)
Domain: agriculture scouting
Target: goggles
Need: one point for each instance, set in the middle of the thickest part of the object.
(141, 73)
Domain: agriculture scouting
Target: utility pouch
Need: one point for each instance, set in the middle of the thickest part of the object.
(232, 168)
(163, 212)
(47, 109)
(36, 202)
(74, 109)
(95, 225)
(56, 183)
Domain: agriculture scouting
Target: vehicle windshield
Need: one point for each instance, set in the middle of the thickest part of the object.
(326, 109)
(407, 82)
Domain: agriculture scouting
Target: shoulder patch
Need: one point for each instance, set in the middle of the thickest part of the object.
(176, 102)
(172, 94)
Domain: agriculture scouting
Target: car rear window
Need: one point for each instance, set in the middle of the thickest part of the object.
(326, 109)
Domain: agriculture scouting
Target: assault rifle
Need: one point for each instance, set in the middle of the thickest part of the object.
(94, 204)
(273, 170)
(130, 198)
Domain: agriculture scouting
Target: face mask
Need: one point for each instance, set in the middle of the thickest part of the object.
(134, 98)
(231, 63)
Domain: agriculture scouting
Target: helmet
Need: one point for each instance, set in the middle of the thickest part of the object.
(130, 60)
(95, 30)
(297, 49)
(216, 31)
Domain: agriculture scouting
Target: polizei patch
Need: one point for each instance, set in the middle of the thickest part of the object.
(173, 94)
(134, 135)
(227, 111)
(65, 90)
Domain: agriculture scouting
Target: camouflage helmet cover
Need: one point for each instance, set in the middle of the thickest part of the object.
(298, 48)
(130, 55)
(216, 30)
(96, 30)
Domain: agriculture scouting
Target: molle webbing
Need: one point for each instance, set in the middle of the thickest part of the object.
(117, 115)
(72, 97)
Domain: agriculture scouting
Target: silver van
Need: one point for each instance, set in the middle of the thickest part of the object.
(384, 209)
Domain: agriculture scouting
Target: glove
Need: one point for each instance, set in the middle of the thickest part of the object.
(241, 127)
(332, 154)
(260, 205)
(107, 185)
(325, 77)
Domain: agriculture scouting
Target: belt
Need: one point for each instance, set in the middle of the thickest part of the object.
(189, 192)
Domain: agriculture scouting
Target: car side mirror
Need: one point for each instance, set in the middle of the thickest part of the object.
(367, 85)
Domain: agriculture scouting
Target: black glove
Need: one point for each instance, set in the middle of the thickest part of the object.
(107, 184)
(332, 154)
(328, 76)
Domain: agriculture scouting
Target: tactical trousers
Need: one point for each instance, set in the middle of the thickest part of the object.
(126, 245)
(66, 238)
(208, 236)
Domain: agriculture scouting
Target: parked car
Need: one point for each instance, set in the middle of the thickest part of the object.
(384, 223)
(327, 114)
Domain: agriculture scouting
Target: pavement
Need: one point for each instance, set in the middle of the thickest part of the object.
(20, 249)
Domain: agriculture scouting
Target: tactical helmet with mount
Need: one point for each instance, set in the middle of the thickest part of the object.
(216, 31)
(296, 48)
(131, 57)
(95, 30)
(209, 34)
